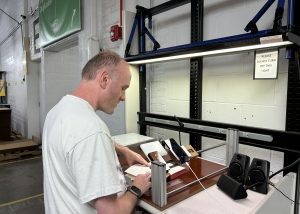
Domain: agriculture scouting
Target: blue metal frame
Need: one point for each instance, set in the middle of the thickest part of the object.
(246, 38)
(205, 45)
(140, 17)
(251, 26)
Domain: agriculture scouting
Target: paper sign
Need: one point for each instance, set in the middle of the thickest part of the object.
(266, 65)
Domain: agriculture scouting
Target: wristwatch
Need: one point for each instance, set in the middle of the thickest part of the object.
(136, 191)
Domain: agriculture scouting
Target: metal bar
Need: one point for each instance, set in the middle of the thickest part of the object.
(142, 68)
(221, 43)
(291, 14)
(156, 44)
(196, 181)
(196, 69)
(285, 141)
(158, 183)
(232, 144)
(249, 135)
(281, 3)
(166, 6)
(278, 16)
(252, 24)
(297, 192)
(210, 148)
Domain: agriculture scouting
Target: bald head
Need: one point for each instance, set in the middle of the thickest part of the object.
(105, 78)
(106, 59)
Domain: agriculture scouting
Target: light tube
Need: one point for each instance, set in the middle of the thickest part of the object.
(213, 52)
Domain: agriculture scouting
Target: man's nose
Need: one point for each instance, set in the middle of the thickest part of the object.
(122, 98)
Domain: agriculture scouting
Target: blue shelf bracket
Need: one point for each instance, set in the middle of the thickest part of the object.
(139, 21)
(252, 27)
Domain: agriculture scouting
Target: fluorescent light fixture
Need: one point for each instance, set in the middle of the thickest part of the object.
(213, 52)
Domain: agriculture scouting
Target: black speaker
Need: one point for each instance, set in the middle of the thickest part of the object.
(238, 167)
(231, 187)
(257, 178)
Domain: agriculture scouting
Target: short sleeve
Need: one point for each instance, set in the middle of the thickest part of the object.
(94, 168)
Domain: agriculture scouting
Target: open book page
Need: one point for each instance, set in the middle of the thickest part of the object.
(152, 147)
(137, 169)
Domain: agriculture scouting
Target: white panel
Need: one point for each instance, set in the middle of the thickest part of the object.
(209, 88)
(33, 97)
(209, 111)
(229, 64)
(243, 89)
(228, 113)
(62, 75)
(132, 102)
(263, 116)
(281, 90)
(128, 18)
(178, 81)
(177, 107)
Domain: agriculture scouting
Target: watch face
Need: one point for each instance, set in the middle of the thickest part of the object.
(137, 191)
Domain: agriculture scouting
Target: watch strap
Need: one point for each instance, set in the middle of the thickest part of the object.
(134, 190)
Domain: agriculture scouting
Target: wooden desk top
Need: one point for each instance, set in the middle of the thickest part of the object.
(208, 171)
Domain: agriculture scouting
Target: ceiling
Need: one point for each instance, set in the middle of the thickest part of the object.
(7, 24)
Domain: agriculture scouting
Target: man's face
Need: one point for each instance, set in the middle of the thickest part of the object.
(120, 81)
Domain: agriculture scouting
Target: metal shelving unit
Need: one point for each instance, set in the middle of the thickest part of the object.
(284, 141)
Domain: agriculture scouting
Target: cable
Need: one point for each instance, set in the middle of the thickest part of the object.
(285, 168)
(14, 29)
(248, 187)
(215, 200)
(181, 125)
(9, 16)
(273, 185)
(195, 175)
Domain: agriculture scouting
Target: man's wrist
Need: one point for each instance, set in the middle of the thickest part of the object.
(135, 191)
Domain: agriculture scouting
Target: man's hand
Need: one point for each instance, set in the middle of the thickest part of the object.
(132, 157)
(143, 182)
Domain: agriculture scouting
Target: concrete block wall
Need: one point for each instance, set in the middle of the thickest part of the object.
(60, 76)
(110, 15)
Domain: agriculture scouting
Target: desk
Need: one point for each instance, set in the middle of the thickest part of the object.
(194, 200)
(209, 171)
(214, 201)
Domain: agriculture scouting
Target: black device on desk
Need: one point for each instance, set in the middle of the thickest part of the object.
(179, 152)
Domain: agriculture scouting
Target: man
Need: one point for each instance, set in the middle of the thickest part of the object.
(82, 173)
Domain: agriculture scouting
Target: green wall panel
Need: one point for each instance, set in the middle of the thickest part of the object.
(58, 19)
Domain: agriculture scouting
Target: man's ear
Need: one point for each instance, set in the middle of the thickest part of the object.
(103, 78)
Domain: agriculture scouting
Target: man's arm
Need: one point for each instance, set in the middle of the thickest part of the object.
(126, 203)
(130, 156)
(112, 204)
